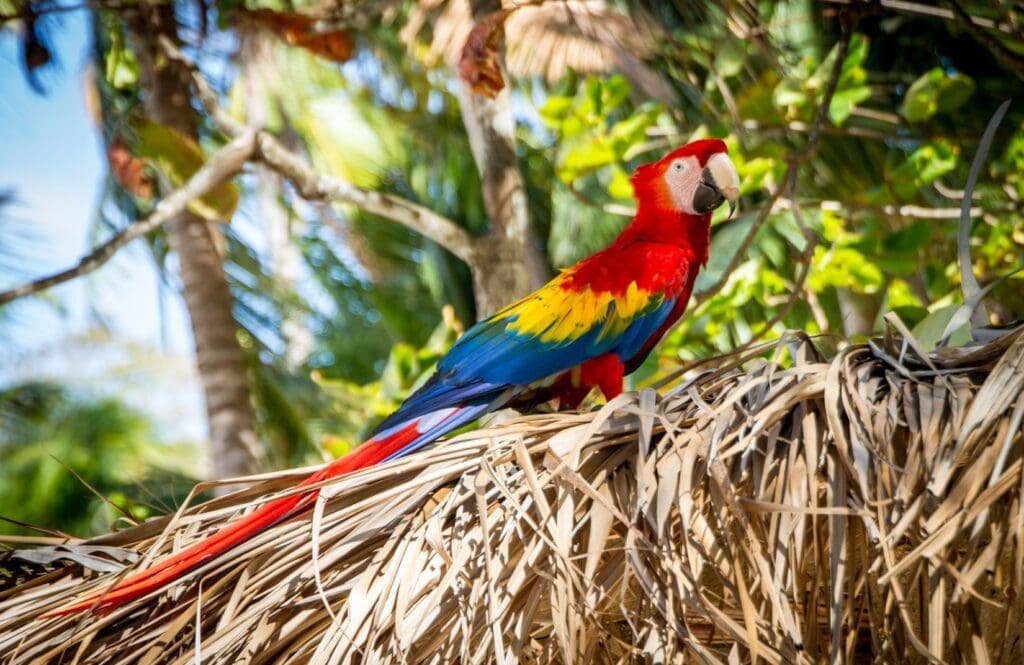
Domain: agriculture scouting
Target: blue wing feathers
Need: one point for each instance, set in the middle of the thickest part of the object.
(493, 354)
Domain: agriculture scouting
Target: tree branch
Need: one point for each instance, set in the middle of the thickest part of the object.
(317, 186)
(888, 209)
(223, 165)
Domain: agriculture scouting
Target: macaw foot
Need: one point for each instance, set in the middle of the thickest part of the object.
(603, 372)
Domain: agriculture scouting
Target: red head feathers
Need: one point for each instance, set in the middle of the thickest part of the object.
(678, 193)
(693, 180)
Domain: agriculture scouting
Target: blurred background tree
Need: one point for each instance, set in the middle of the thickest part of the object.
(312, 319)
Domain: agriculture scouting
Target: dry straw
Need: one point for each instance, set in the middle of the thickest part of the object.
(779, 508)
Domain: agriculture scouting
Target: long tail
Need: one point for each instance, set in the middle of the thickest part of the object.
(391, 443)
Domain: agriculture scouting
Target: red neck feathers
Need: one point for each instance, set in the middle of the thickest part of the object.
(657, 225)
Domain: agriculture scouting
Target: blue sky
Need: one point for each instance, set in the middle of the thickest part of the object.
(52, 159)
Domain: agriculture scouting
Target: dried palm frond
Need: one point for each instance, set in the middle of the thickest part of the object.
(547, 39)
(782, 510)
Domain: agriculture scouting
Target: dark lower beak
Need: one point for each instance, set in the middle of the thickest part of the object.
(709, 194)
(707, 197)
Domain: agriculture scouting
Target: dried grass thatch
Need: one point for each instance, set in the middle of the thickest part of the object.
(866, 507)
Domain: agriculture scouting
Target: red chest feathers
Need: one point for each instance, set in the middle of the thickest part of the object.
(655, 267)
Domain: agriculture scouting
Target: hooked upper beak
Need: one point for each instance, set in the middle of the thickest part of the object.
(719, 183)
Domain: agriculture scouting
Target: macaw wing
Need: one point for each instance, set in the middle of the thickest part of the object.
(534, 340)
(553, 330)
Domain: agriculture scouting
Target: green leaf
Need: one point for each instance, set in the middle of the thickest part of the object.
(784, 223)
(912, 315)
(724, 244)
(788, 94)
(620, 186)
(855, 56)
(957, 88)
(555, 109)
(574, 126)
(586, 156)
(616, 91)
(843, 267)
(899, 265)
(934, 161)
(773, 248)
(178, 157)
(909, 239)
(931, 328)
(844, 101)
(729, 59)
(936, 91)
(857, 53)
(121, 69)
(594, 90)
(633, 129)
(921, 167)
(341, 141)
(851, 88)
(755, 172)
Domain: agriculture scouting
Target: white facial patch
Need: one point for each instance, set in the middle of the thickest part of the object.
(682, 179)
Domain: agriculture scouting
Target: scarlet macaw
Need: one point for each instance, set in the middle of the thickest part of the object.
(586, 328)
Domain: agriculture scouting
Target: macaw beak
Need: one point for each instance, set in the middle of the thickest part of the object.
(719, 183)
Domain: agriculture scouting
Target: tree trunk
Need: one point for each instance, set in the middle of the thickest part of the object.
(198, 245)
(507, 262)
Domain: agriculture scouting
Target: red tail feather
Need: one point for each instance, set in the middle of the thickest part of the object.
(172, 568)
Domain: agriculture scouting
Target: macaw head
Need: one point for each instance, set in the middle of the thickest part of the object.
(694, 180)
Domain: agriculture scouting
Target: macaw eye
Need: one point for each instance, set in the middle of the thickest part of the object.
(679, 166)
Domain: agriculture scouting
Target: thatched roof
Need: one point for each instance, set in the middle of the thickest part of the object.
(776, 511)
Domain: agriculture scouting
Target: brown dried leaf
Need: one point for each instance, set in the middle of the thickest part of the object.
(129, 171)
(316, 36)
(480, 64)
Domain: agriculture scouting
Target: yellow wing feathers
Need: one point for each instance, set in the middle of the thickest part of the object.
(555, 314)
